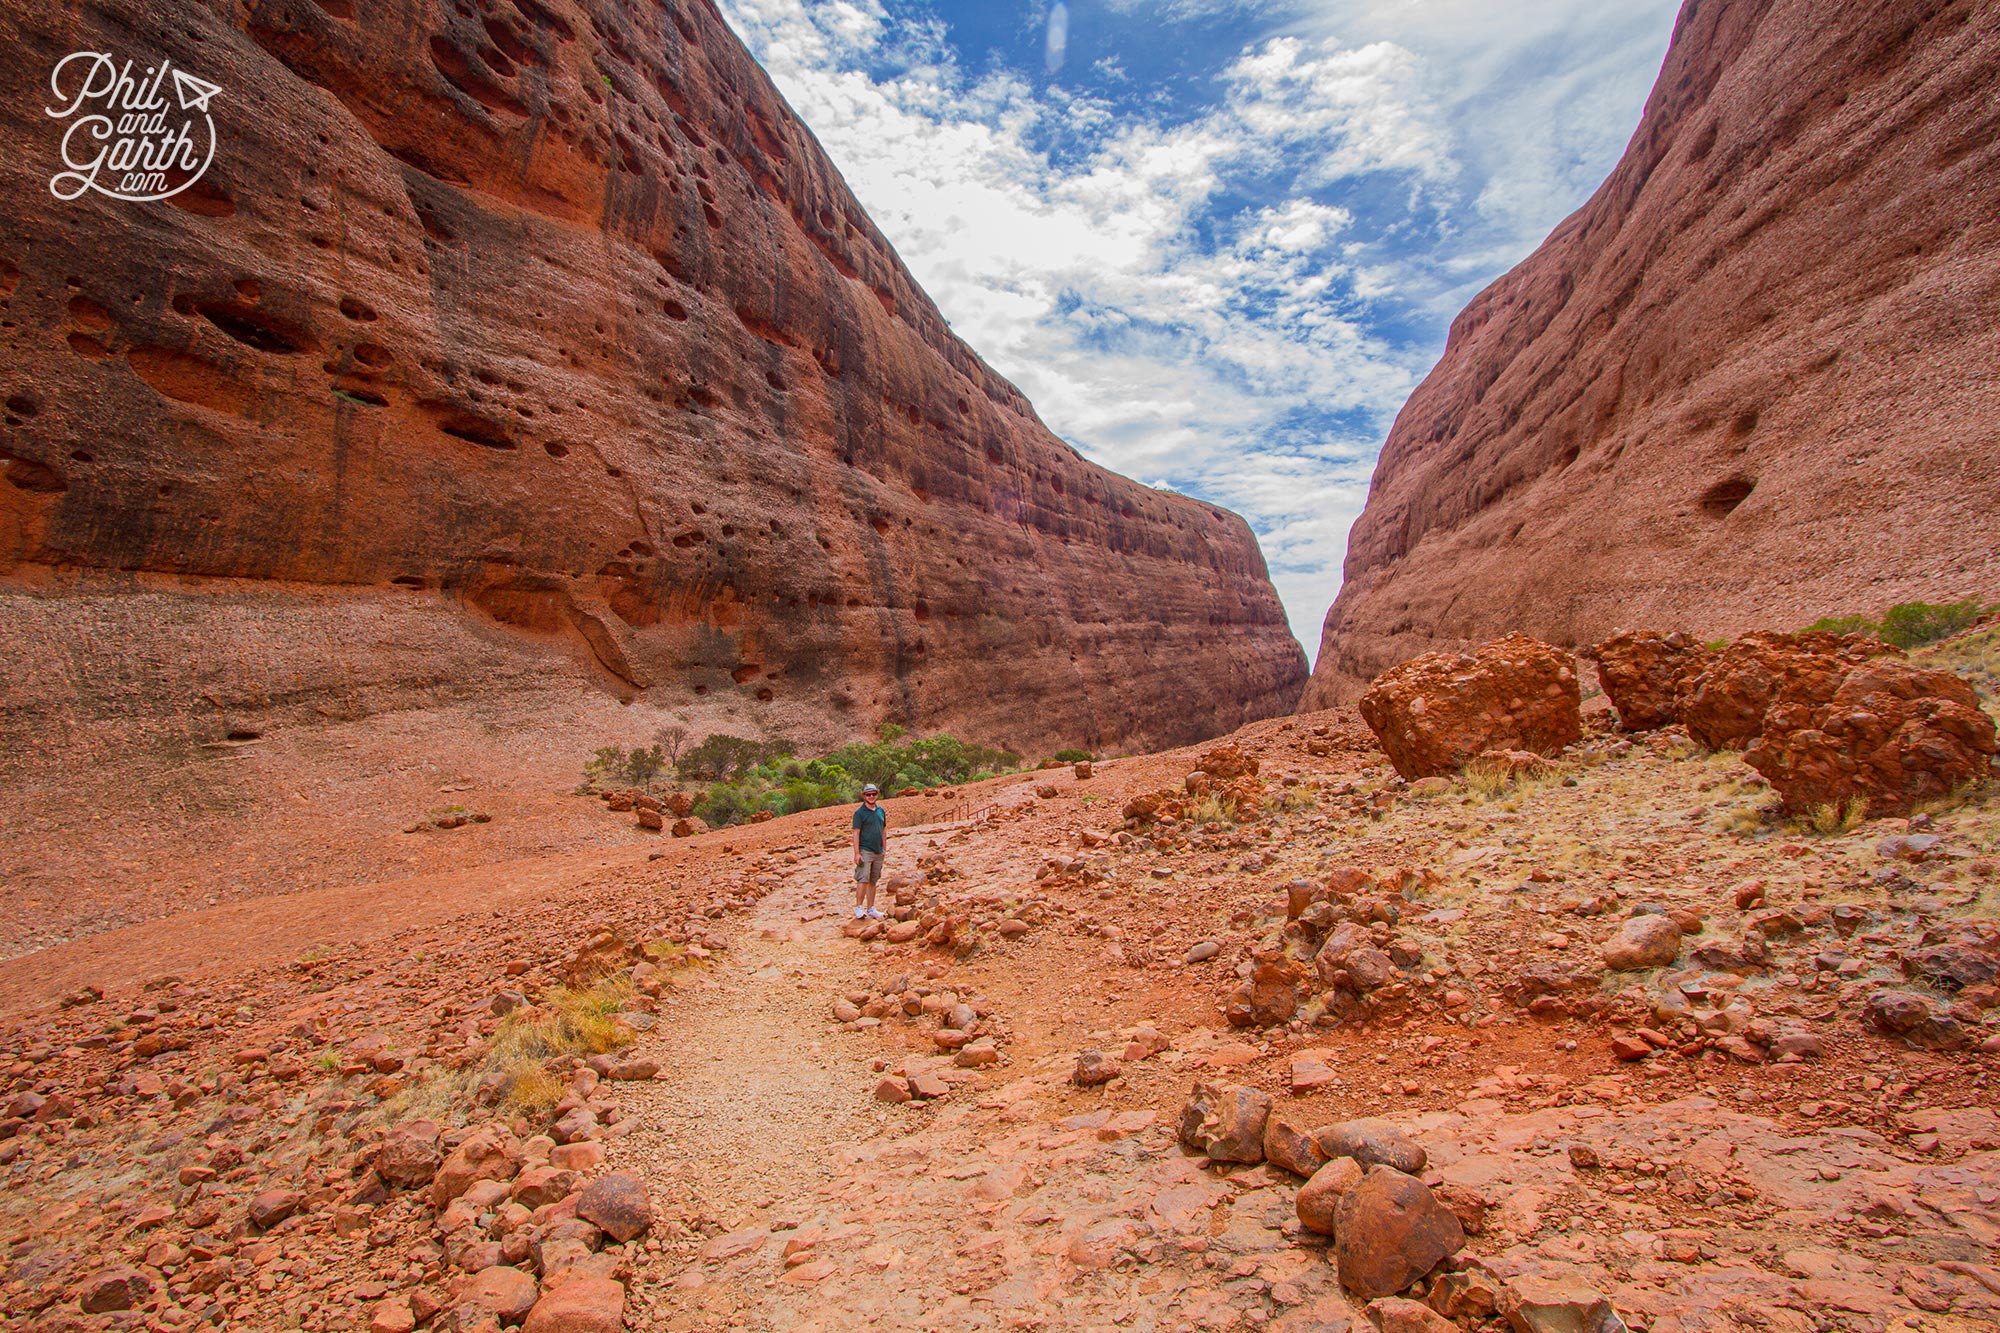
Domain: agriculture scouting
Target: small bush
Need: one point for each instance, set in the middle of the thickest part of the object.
(1744, 821)
(621, 767)
(725, 804)
(1914, 624)
(1907, 624)
(565, 1023)
(1207, 810)
(1961, 795)
(1073, 756)
(1843, 625)
(1293, 799)
(1831, 819)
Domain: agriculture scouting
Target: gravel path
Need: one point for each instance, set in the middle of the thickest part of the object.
(768, 1100)
(763, 1087)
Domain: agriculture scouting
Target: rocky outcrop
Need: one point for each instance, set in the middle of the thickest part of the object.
(1642, 673)
(1435, 714)
(1724, 704)
(1750, 383)
(549, 322)
(1892, 736)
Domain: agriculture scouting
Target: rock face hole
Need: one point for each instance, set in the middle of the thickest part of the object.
(1722, 499)
(253, 328)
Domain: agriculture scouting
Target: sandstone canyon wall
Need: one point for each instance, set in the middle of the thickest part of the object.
(517, 347)
(1754, 381)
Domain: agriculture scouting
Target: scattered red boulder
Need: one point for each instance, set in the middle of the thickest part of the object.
(1724, 704)
(581, 1305)
(410, 1155)
(1269, 997)
(1651, 940)
(1917, 1019)
(1390, 1231)
(1094, 1069)
(1226, 763)
(1436, 713)
(1318, 1202)
(1890, 734)
(113, 1289)
(617, 1203)
(1227, 1124)
(1643, 673)
(274, 1206)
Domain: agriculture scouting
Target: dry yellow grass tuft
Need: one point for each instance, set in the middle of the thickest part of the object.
(1207, 810)
(567, 1022)
(1831, 820)
(1486, 783)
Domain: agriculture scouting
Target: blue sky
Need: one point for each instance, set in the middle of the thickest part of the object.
(1217, 242)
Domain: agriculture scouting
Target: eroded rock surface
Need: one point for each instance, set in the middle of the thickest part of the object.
(1741, 386)
(1642, 672)
(1892, 735)
(1725, 703)
(1436, 713)
(548, 324)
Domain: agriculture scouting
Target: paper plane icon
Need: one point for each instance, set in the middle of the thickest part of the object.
(194, 93)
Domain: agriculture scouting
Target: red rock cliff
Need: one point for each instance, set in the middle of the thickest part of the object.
(1753, 382)
(542, 332)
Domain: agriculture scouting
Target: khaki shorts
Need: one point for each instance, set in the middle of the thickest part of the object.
(868, 869)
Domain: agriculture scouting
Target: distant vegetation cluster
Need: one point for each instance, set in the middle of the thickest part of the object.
(741, 777)
(1908, 624)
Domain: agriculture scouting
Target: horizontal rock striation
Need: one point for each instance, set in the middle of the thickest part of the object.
(549, 319)
(1752, 382)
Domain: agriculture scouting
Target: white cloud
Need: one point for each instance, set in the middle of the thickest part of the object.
(1174, 292)
(1182, 11)
(1362, 109)
(1538, 98)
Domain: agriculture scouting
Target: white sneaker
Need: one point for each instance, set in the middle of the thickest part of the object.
(877, 915)
(859, 912)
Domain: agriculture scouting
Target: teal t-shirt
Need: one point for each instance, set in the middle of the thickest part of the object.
(871, 823)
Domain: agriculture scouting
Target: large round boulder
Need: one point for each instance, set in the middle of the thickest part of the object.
(1651, 940)
(1892, 735)
(1724, 704)
(1372, 1142)
(1389, 1232)
(1643, 673)
(1435, 713)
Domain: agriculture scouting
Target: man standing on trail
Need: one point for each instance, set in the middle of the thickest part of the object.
(871, 823)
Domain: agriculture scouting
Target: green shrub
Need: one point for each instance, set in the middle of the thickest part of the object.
(743, 776)
(752, 777)
(726, 803)
(1907, 624)
(1073, 756)
(1914, 624)
(1843, 625)
(632, 768)
(720, 758)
